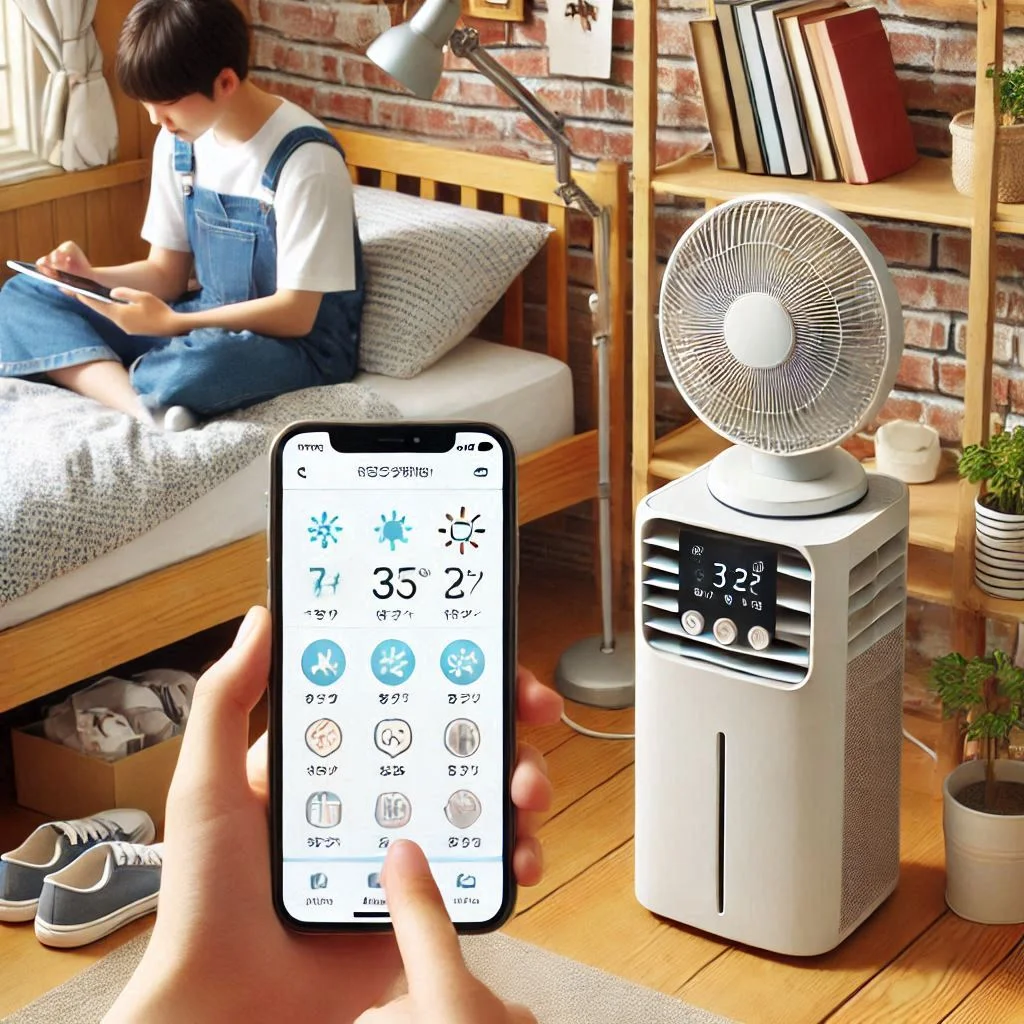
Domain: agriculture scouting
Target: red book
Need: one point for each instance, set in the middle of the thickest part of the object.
(851, 49)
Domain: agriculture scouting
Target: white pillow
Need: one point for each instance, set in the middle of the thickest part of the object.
(433, 270)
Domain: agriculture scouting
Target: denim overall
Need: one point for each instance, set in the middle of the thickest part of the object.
(209, 370)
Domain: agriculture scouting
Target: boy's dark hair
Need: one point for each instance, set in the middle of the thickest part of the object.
(174, 48)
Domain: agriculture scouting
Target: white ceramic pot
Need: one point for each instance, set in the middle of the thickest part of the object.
(984, 852)
(998, 552)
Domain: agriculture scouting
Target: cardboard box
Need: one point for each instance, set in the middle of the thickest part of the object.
(63, 783)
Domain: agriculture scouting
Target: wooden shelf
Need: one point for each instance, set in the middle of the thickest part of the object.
(923, 193)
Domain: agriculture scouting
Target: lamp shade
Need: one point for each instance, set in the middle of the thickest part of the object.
(412, 53)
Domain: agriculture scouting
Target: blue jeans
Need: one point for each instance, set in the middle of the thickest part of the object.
(208, 370)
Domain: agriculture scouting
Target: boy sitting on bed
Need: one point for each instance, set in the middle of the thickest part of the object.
(263, 220)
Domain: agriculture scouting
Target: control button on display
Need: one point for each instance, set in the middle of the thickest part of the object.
(393, 810)
(758, 637)
(462, 737)
(693, 622)
(463, 808)
(725, 631)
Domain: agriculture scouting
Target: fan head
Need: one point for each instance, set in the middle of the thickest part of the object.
(783, 331)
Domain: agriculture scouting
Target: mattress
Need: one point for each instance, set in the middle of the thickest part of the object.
(527, 394)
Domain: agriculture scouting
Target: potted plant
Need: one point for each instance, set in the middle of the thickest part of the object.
(983, 799)
(998, 512)
(1009, 140)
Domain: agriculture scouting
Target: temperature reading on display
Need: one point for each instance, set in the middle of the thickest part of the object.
(738, 579)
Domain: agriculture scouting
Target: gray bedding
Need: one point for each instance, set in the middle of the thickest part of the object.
(78, 480)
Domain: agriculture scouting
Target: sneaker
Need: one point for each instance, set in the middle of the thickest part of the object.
(101, 891)
(55, 845)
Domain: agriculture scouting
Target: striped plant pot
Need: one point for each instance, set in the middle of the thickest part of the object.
(998, 552)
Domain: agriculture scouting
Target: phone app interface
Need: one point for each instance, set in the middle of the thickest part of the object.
(392, 698)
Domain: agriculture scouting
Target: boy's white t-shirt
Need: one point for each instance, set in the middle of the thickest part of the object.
(313, 203)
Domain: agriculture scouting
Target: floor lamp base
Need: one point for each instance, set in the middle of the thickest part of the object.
(588, 675)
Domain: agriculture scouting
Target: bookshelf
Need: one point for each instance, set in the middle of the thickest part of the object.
(942, 513)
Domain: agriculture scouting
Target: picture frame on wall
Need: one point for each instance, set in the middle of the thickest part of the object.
(495, 10)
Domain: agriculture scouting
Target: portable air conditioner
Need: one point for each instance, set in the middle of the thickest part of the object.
(771, 590)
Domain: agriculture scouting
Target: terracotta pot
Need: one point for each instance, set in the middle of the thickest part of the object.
(1009, 157)
(984, 852)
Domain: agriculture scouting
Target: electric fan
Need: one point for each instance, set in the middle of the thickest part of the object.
(771, 589)
(782, 330)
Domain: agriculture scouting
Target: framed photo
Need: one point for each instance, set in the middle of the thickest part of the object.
(496, 10)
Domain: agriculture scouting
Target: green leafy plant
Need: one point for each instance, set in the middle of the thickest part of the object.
(1000, 465)
(1011, 94)
(986, 697)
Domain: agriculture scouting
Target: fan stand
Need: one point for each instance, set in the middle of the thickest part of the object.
(816, 483)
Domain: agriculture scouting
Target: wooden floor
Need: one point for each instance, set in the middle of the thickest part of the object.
(913, 962)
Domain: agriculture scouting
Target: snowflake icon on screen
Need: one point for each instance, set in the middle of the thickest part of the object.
(393, 530)
(392, 662)
(324, 530)
(462, 662)
(461, 530)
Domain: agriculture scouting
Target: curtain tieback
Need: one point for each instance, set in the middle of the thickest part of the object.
(76, 79)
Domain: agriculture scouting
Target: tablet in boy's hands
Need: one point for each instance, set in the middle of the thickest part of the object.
(62, 279)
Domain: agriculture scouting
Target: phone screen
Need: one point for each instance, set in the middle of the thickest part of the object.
(393, 591)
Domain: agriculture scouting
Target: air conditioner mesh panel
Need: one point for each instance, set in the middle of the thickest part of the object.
(818, 273)
(871, 770)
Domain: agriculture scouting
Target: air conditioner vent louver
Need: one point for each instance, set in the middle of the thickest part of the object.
(878, 592)
(784, 660)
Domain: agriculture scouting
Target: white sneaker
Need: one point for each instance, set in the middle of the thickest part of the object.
(101, 891)
(177, 418)
(55, 845)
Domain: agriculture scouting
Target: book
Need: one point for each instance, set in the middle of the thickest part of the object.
(760, 88)
(739, 87)
(861, 94)
(823, 160)
(714, 87)
(791, 120)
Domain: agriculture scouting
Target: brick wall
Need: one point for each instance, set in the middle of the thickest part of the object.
(312, 52)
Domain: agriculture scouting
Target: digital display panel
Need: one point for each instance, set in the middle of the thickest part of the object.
(725, 578)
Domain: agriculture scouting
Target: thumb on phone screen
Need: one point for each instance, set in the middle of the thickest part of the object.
(441, 988)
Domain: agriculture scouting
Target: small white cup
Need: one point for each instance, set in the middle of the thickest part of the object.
(908, 451)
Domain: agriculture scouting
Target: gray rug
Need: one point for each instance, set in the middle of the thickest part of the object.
(557, 990)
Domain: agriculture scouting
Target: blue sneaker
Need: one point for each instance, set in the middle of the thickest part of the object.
(55, 845)
(104, 889)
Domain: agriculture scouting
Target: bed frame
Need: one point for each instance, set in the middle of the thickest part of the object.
(117, 625)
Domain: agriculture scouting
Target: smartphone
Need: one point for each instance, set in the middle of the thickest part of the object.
(393, 577)
(62, 279)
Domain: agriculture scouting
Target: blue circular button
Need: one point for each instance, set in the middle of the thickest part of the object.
(462, 662)
(323, 662)
(392, 662)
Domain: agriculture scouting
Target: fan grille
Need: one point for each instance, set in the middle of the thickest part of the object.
(819, 274)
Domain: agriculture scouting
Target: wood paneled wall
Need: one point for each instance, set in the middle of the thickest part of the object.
(101, 209)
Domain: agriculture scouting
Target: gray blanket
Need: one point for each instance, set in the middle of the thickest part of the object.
(77, 480)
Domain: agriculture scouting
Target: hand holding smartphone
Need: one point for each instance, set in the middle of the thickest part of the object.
(393, 574)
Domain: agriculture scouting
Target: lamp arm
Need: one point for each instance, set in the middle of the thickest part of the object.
(465, 43)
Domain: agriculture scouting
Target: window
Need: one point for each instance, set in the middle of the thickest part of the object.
(22, 76)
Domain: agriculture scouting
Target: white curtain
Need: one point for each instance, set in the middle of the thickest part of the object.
(78, 123)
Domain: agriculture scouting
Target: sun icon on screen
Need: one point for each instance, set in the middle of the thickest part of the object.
(393, 530)
(461, 530)
(324, 530)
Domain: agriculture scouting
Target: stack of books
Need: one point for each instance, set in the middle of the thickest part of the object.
(804, 88)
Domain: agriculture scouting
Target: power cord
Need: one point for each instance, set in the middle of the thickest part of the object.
(917, 743)
(584, 731)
